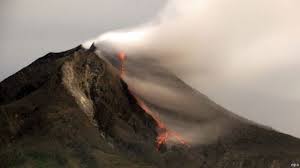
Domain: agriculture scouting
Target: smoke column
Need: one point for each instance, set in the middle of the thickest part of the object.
(245, 55)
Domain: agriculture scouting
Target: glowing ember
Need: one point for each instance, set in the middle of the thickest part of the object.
(122, 57)
(163, 133)
(161, 139)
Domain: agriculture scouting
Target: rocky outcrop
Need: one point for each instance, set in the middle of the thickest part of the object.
(68, 109)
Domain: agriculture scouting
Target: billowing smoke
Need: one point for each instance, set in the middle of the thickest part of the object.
(244, 55)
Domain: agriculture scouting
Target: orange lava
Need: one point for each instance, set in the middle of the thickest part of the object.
(163, 132)
(122, 57)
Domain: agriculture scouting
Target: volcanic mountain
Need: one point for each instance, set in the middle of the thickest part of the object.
(72, 109)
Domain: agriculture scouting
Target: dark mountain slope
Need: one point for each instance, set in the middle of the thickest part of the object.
(71, 109)
(241, 143)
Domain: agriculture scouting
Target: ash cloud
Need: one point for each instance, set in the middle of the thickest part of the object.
(242, 54)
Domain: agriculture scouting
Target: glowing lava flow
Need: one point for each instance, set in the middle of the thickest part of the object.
(122, 58)
(163, 133)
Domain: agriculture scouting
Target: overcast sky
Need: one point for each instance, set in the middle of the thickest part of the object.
(31, 28)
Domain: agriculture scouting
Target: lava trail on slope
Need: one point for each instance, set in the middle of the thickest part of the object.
(164, 134)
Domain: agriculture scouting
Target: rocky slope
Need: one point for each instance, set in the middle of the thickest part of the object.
(71, 109)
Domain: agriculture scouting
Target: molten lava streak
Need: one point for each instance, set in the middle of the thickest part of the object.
(122, 58)
(163, 132)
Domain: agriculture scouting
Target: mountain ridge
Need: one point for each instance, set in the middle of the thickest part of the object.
(71, 109)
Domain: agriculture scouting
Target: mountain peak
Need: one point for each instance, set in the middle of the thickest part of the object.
(72, 109)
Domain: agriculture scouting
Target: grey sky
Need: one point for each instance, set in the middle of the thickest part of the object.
(32, 28)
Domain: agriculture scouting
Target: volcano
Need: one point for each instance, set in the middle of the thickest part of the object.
(72, 109)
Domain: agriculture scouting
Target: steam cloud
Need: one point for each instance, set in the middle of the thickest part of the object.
(245, 55)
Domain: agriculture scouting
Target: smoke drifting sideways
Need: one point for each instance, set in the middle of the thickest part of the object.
(245, 55)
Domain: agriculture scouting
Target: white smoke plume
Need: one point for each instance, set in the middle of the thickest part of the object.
(244, 54)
